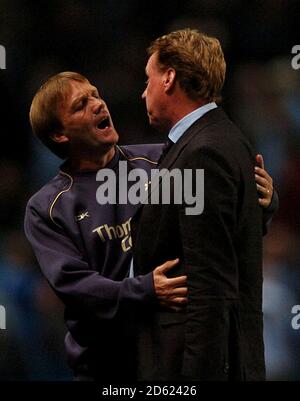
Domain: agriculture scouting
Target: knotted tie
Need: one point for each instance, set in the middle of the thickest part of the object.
(165, 150)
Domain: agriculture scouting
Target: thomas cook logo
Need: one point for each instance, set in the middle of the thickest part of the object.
(2, 58)
(119, 232)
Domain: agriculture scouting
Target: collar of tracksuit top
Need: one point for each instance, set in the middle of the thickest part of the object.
(178, 130)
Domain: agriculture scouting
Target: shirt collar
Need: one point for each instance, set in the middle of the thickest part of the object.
(182, 125)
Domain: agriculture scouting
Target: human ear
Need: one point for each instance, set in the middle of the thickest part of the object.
(59, 137)
(169, 80)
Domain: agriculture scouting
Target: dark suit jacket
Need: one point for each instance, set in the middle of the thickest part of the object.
(220, 334)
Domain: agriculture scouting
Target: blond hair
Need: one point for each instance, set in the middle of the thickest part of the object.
(44, 111)
(197, 59)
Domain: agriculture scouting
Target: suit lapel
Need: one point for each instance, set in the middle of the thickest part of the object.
(209, 118)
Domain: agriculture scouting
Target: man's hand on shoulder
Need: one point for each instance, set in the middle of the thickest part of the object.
(264, 183)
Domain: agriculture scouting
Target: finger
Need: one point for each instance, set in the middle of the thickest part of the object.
(178, 292)
(260, 161)
(263, 190)
(177, 281)
(179, 305)
(173, 301)
(179, 301)
(263, 173)
(177, 308)
(168, 265)
(261, 180)
(263, 202)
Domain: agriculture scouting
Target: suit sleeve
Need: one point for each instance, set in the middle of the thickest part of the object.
(72, 279)
(269, 212)
(211, 268)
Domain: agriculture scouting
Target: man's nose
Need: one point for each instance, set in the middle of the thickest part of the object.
(144, 94)
(97, 105)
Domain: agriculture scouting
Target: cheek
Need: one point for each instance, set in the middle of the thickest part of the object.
(151, 95)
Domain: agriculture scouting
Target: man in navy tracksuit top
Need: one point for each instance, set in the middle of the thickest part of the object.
(83, 248)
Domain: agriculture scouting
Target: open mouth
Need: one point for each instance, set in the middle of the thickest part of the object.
(105, 123)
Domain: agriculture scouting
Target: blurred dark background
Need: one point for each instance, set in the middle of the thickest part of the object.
(106, 41)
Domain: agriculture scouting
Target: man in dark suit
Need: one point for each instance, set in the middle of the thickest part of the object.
(219, 335)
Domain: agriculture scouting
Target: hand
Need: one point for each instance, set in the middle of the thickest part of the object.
(264, 183)
(170, 292)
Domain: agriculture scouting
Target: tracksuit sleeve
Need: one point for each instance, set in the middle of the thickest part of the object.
(74, 281)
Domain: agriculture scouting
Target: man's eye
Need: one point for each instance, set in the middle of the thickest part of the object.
(81, 104)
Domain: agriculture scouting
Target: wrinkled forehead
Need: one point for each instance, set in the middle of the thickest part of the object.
(71, 88)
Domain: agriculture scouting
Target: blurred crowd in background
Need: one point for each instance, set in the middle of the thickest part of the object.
(106, 41)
